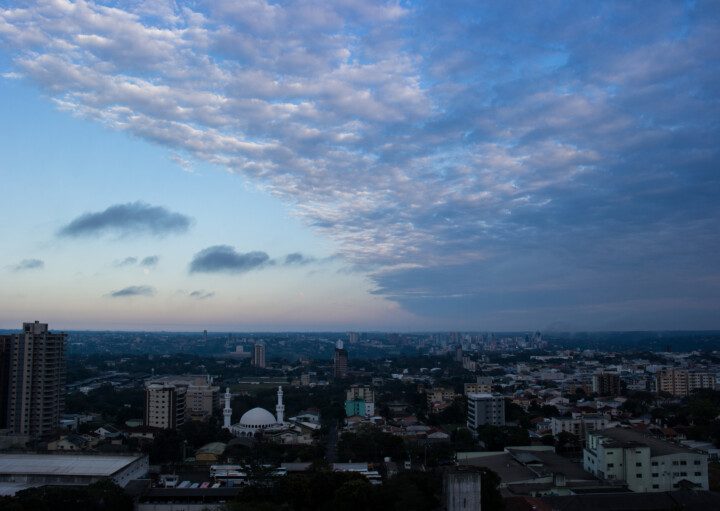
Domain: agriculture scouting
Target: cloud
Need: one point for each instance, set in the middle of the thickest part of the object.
(128, 261)
(224, 259)
(133, 291)
(150, 261)
(298, 259)
(29, 264)
(133, 218)
(509, 140)
(201, 294)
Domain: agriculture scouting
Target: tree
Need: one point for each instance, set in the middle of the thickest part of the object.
(103, 495)
(490, 497)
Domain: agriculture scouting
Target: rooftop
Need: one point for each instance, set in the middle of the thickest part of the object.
(63, 464)
(631, 437)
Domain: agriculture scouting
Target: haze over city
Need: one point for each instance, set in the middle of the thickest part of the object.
(360, 165)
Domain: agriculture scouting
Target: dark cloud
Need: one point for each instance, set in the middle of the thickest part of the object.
(133, 291)
(298, 259)
(132, 218)
(149, 261)
(224, 259)
(202, 295)
(29, 264)
(128, 261)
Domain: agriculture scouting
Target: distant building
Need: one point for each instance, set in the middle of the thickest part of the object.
(461, 489)
(353, 337)
(340, 361)
(579, 425)
(258, 359)
(165, 405)
(681, 382)
(360, 400)
(439, 398)
(607, 384)
(485, 409)
(32, 372)
(483, 385)
(202, 398)
(644, 463)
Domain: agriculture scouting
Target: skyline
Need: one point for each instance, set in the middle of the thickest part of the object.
(360, 166)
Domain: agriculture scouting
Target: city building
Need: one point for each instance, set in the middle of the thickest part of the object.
(340, 361)
(258, 420)
(485, 409)
(258, 358)
(439, 398)
(606, 384)
(353, 337)
(165, 405)
(21, 471)
(579, 424)
(202, 398)
(360, 400)
(483, 385)
(681, 382)
(32, 368)
(643, 462)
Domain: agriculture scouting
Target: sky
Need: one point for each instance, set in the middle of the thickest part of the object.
(360, 165)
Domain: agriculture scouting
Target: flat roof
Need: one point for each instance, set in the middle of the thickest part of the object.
(64, 464)
(631, 437)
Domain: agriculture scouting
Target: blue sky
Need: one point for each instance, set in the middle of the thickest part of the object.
(360, 165)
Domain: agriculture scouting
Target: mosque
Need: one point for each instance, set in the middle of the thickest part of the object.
(255, 421)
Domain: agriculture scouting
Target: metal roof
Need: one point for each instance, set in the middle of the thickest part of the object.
(63, 464)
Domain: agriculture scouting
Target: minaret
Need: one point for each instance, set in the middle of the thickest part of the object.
(280, 408)
(227, 412)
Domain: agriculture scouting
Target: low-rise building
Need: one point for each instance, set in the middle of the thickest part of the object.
(643, 462)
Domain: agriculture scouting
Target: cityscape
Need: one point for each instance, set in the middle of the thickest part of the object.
(359, 255)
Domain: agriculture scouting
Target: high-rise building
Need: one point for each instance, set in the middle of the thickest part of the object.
(360, 400)
(606, 384)
(485, 409)
(340, 360)
(32, 369)
(353, 337)
(258, 359)
(681, 382)
(165, 405)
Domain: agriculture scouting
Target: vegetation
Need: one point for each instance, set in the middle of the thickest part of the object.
(101, 496)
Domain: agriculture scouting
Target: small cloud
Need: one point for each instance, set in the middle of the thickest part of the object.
(128, 219)
(224, 259)
(29, 264)
(184, 163)
(201, 295)
(11, 75)
(133, 291)
(150, 261)
(297, 259)
(128, 261)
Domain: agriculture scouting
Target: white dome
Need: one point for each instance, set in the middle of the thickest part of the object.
(257, 418)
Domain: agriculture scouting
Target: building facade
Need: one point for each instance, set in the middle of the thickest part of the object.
(579, 424)
(340, 361)
(607, 384)
(258, 358)
(165, 405)
(32, 367)
(483, 385)
(681, 382)
(644, 463)
(485, 409)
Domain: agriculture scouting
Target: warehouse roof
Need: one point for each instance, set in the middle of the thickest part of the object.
(63, 464)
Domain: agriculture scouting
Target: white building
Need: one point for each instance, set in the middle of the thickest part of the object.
(579, 425)
(258, 420)
(485, 409)
(644, 463)
(164, 405)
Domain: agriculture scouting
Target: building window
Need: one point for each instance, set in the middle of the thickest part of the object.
(675, 462)
(656, 486)
(638, 464)
(639, 476)
(683, 462)
(697, 462)
(610, 465)
(654, 463)
(697, 474)
(656, 475)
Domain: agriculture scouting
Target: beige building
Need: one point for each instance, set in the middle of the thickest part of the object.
(35, 379)
(258, 359)
(483, 385)
(201, 396)
(681, 382)
(165, 405)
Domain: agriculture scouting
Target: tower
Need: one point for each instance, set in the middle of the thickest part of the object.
(340, 360)
(227, 411)
(280, 408)
(34, 370)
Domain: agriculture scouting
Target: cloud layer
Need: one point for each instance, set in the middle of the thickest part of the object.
(224, 259)
(131, 291)
(29, 264)
(515, 157)
(133, 218)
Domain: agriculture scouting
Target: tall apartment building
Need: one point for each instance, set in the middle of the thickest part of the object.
(681, 382)
(360, 400)
(32, 372)
(340, 361)
(644, 463)
(165, 405)
(258, 358)
(485, 409)
(607, 384)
